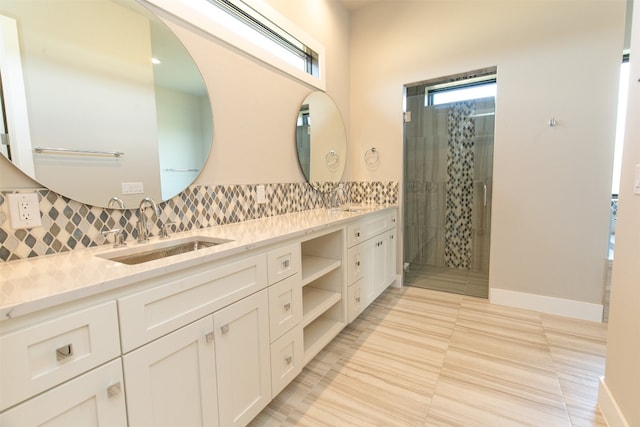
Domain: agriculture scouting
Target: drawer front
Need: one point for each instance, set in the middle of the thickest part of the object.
(367, 228)
(149, 314)
(285, 306)
(284, 262)
(355, 302)
(377, 225)
(287, 359)
(355, 264)
(93, 399)
(40, 357)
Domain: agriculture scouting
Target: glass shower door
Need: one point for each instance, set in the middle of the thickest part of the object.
(448, 155)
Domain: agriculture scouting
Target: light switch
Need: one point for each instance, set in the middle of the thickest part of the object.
(636, 181)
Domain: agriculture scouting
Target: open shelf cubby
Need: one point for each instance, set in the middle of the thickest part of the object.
(322, 293)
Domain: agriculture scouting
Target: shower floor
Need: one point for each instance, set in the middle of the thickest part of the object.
(448, 280)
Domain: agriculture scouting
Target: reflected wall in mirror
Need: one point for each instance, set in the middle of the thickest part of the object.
(111, 85)
(321, 141)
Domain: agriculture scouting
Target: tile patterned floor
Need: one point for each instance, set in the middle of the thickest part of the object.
(448, 280)
(419, 357)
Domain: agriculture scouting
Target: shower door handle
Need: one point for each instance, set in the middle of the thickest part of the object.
(484, 197)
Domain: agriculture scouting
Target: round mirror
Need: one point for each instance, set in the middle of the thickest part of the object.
(101, 100)
(321, 141)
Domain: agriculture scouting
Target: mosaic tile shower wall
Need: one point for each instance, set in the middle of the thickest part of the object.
(459, 200)
(69, 225)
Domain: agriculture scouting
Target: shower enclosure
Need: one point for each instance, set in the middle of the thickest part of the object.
(448, 163)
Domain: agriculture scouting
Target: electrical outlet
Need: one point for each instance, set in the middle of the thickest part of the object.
(260, 194)
(24, 210)
(132, 187)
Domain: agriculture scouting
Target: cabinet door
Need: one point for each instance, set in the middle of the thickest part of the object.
(93, 399)
(243, 361)
(171, 381)
(368, 282)
(392, 252)
(380, 249)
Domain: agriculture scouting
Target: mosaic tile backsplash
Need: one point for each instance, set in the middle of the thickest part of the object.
(69, 225)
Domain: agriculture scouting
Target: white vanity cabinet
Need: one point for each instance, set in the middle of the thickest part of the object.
(207, 345)
(94, 399)
(61, 355)
(371, 259)
(175, 352)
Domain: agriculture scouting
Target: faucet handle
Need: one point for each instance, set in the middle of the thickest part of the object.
(118, 239)
(165, 230)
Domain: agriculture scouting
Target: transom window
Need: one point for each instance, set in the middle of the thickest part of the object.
(465, 90)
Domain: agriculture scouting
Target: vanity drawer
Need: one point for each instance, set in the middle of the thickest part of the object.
(287, 359)
(37, 358)
(355, 264)
(284, 262)
(155, 312)
(92, 399)
(365, 229)
(354, 300)
(285, 306)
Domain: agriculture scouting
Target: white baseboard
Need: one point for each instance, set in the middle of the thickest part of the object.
(609, 408)
(398, 282)
(546, 304)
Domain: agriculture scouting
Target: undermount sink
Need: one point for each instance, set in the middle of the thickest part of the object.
(160, 250)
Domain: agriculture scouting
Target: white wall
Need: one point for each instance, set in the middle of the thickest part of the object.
(551, 185)
(622, 374)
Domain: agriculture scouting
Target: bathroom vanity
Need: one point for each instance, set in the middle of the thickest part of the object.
(206, 337)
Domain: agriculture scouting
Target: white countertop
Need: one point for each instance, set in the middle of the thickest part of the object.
(38, 283)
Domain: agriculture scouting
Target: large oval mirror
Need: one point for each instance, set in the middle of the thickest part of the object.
(101, 100)
(321, 141)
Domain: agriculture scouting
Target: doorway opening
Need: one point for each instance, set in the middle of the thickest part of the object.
(448, 170)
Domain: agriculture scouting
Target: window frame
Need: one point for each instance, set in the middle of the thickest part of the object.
(208, 17)
(431, 91)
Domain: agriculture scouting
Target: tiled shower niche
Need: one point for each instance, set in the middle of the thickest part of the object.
(68, 224)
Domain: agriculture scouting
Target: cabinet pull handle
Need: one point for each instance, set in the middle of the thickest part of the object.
(210, 336)
(357, 263)
(358, 234)
(287, 306)
(285, 263)
(64, 352)
(288, 359)
(224, 328)
(358, 299)
(114, 389)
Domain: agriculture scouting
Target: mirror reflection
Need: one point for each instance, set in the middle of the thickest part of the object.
(101, 100)
(321, 141)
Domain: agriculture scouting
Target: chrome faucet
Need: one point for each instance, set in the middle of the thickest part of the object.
(143, 232)
(116, 200)
(338, 197)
